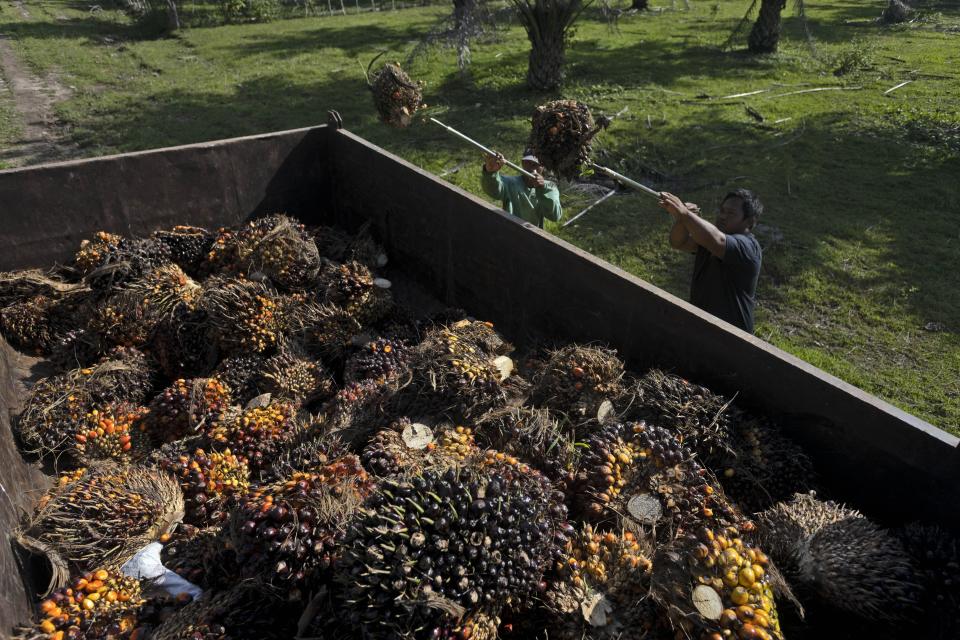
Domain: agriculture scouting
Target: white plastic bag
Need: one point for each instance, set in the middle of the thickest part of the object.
(146, 565)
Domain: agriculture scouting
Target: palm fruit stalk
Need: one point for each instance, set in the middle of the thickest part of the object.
(562, 136)
(185, 408)
(292, 375)
(241, 612)
(102, 519)
(281, 249)
(577, 379)
(447, 543)
(838, 557)
(256, 435)
(188, 245)
(288, 531)
(210, 483)
(111, 432)
(241, 374)
(97, 604)
(396, 97)
(935, 554)
(378, 360)
(241, 315)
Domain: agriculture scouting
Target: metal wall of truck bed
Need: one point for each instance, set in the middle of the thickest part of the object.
(885, 461)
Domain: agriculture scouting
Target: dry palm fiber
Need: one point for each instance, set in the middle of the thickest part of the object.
(577, 379)
(188, 245)
(280, 248)
(17, 286)
(98, 604)
(562, 136)
(102, 519)
(292, 375)
(240, 612)
(396, 97)
(534, 436)
(181, 343)
(459, 372)
(186, 407)
(704, 421)
(241, 314)
(838, 557)
(287, 532)
(340, 246)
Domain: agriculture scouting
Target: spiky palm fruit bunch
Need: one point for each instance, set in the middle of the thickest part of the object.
(704, 420)
(28, 325)
(562, 135)
(396, 97)
(258, 434)
(289, 530)
(111, 432)
(241, 374)
(188, 245)
(468, 538)
(357, 411)
(352, 287)
(386, 454)
(281, 249)
(93, 252)
(716, 584)
(577, 379)
(533, 435)
(378, 360)
(324, 330)
(292, 375)
(185, 407)
(842, 559)
(241, 314)
(102, 519)
(98, 604)
(181, 343)
(240, 612)
(935, 554)
(130, 259)
(204, 557)
(604, 468)
(210, 482)
(768, 467)
(122, 374)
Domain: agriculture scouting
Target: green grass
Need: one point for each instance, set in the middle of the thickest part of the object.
(859, 186)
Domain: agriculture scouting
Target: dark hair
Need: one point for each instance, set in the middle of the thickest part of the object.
(752, 207)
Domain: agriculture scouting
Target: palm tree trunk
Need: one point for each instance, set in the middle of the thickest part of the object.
(765, 35)
(547, 55)
(640, 5)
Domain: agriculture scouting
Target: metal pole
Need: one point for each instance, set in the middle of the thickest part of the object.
(484, 149)
(582, 213)
(626, 181)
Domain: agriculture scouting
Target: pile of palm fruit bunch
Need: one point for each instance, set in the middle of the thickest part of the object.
(395, 96)
(323, 461)
(562, 136)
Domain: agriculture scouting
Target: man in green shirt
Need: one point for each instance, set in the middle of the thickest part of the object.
(531, 199)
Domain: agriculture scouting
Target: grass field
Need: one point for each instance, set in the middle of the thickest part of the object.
(862, 230)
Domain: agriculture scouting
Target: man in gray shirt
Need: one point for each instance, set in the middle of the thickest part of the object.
(728, 257)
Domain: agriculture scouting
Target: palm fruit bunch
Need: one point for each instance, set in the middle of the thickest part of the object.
(122, 374)
(352, 286)
(241, 374)
(204, 557)
(27, 324)
(65, 478)
(340, 246)
(935, 554)
(357, 411)
(386, 454)
(288, 531)
(562, 136)
(768, 466)
(257, 434)
(470, 538)
(457, 443)
(128, 260)
(241, 315)
(93, 252)
(291, 375)
(241, 612)
(52, 413)
(281, 249)
(111, 432)
(533, 435)
(840, 558)
(601, 580)
(715, 584)
(209, 482)
(604, 467)
(378, 360)
(185, 407)
(188, 245)
(102, 519)
(576, 380)
(181, 343)
(98, 604)
(396, 97)
(703, 420)
(326, 331)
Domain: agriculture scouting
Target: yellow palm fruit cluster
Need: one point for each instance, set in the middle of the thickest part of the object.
(98, 604)
(92, 252)
(108, 433)
(592, 556)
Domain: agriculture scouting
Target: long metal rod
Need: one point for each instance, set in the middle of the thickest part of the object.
(484, 149)
(633, 184)
(582, 213)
